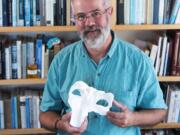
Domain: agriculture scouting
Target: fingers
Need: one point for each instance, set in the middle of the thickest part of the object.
(70, 129)
(115, 115)
(120, 106)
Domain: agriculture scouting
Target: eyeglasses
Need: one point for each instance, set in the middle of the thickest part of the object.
(82, 17)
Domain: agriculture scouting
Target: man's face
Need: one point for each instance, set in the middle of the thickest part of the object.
(92, 21)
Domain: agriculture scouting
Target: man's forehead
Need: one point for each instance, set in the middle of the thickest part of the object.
(86, 5)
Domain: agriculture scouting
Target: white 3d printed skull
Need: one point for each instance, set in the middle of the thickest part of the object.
(86, 102)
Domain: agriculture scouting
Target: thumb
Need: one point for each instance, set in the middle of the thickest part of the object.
(120, 106)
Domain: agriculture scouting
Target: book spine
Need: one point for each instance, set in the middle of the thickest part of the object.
(5, 15)
(10, 14)
(28, 124)
(23, 111)
(21, 13)
(27, 13)
(8, 66)
(14, 61)
(14, 13)
(39, 56)
(19, 61)
(1, 13)
(24, 61)
(126, 11)
(174, 12)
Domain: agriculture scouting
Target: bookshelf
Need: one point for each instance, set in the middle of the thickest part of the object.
(59, 29)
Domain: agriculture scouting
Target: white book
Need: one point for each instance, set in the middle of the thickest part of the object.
(68, 12)
(164, 46)
(35, 100)
(23, 111)
(149, 15)
(1, 14)
(49, 6)
(144, 13)
(174, 105)
(14, 13)
(153, 53)
(177, 21)
(8, 66)
(157, 63)
(19, 61)
(126, 11)
(2, 114)
(161, 11)
(42, 64)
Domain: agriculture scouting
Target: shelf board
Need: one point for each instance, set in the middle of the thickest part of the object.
(45, 131)
(147, 27)
(73, 28)
(20, 82)
(164, 126)
(38, 29)
(169, 78)
(27, 131)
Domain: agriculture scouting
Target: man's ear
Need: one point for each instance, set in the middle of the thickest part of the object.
(110, 11)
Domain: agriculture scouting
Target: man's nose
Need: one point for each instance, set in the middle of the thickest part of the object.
(89, 21)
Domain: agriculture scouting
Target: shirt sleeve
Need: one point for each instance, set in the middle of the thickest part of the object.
(51, 100)
(150, 96)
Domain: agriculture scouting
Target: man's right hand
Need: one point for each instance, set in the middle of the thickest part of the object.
(64, 125)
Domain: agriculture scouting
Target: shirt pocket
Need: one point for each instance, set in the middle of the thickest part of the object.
(127, 98)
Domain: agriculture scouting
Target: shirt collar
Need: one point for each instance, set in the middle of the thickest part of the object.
(113, 45)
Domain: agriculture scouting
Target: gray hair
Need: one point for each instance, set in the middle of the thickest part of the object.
(106, 2)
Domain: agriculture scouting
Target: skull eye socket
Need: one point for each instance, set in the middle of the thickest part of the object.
(102, 102)
(76, 92)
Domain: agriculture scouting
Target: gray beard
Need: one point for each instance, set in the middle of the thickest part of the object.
(99, 41)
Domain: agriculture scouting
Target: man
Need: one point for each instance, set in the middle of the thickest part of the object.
(107, 63)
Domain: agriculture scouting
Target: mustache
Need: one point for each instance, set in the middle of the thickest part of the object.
(90, 29)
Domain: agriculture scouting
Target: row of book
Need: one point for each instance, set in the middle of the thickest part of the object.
(172, 95)
(165, 54)
(148, 11)
(34, 12)
(21, 57)
(161, 132)
(20, 111)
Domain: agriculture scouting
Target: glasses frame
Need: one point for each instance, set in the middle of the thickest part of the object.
(91, 14)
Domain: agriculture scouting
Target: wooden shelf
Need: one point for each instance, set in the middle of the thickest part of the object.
(24, 82)
(147, 27)
(28, 131)
(73, 28)
(38, 29)
(169, 78)
(164, 126)
(45, 131)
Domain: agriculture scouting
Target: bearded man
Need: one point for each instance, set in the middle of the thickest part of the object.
(107, 63)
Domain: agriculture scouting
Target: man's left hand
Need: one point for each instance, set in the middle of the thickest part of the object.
(121, 119)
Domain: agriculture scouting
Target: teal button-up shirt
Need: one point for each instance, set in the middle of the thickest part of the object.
(125, 71)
